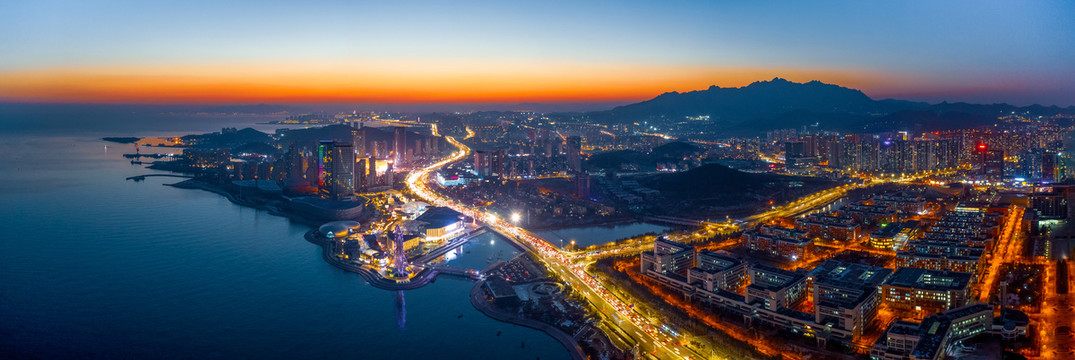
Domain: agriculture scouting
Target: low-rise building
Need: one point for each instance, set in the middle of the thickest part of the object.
(893, 236)
(440, 222)
(787, 243)
(837, 226)
(915, 293)
(774, 288)
(717, 271)
(668, 257)
(845, 294)
(931, 339)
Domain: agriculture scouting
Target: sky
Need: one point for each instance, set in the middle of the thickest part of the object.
(1019, 52)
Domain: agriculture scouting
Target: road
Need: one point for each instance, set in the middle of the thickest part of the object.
(1057, 313)
(1007, 250)
(571, 268)
(649, 338)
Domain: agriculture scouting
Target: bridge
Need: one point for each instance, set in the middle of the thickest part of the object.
(143, 177)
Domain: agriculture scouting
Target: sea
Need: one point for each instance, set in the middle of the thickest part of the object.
(95, 266)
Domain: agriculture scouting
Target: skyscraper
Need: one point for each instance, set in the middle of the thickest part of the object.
(1050, 172)
(337, 161)
(360, 175)
(399, 144)
(489, 163)
(358, 139)
(574, 153)
(993, 164)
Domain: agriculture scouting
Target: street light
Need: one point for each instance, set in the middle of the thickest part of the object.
(515, 217)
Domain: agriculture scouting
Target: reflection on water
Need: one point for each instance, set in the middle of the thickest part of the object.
(401, 310)
(597, 235)
(95, 266)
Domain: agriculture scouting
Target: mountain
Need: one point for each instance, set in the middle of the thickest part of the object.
(760, 100)
(779, 103)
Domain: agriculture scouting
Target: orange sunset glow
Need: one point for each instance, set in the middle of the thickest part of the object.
(391, 82)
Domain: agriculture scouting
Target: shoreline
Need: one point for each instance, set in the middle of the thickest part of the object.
(195, 184)
(426, 276)
(479, 303)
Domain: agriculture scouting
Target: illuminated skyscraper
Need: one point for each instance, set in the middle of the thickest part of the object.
(336, 170)
(399, 144)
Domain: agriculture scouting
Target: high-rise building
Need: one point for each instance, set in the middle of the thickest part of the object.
(371, 173)
(489, 163)
(1050, 172)
(794, 149)
(337, 161)
(399, 145)
(358, 139)
(360, 175)
(582, 185)
(992, 163)
(389, 175)
(574, 153)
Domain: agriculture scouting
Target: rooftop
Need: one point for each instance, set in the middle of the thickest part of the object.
(929, 279)
(849, 274)
(438, 217)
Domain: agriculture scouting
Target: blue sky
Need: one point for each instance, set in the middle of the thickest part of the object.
(984, 51)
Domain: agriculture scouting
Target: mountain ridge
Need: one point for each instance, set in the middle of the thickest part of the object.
(780, 103)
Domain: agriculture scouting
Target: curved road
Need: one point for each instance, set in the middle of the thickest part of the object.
(649, 338)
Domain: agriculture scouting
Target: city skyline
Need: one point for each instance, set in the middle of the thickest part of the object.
(504, 53)
(537, 180)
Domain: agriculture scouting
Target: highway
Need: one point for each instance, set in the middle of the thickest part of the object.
(649, 338)
(571, 266)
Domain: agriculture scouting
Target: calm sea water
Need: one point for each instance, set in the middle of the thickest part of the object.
(92, 266)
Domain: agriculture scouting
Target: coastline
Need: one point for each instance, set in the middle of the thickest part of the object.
(479, 303)
(425, 276)
(201, 185)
